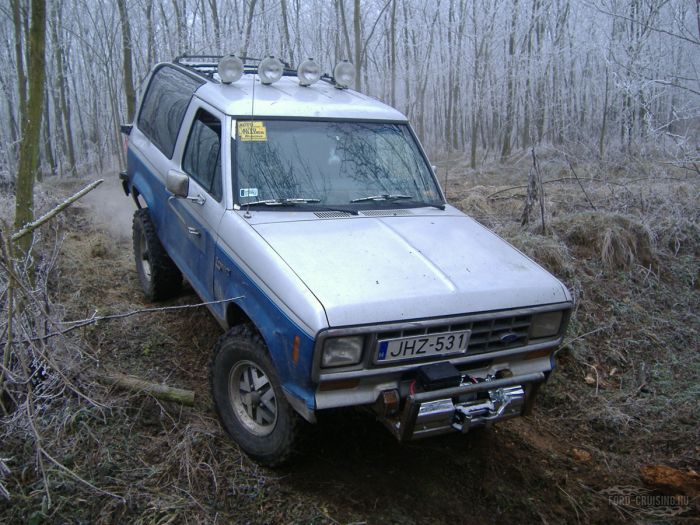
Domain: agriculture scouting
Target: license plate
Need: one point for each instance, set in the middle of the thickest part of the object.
(431, 345)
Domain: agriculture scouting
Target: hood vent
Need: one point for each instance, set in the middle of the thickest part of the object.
(332, 214)
(386, 213)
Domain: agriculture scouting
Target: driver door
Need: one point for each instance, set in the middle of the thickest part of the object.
(198, 215)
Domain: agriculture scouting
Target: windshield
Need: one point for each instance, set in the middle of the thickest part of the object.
(285, 162)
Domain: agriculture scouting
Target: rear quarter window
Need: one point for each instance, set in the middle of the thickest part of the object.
(164, 106)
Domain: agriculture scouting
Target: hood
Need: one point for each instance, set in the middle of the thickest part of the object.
(381, 269)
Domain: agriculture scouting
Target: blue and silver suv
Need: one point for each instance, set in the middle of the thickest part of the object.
(309, 219)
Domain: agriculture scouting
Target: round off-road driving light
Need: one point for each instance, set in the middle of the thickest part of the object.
(344, 74)
(270, 70)
(308, 72)
(230, 69)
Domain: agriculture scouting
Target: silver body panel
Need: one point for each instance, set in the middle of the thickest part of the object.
(286, 98)
(271, 273)
(367, 270)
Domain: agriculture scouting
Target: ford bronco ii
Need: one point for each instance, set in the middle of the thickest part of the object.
(308, 218)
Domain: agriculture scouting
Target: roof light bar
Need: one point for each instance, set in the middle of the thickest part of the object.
(270, 70)
(308, 72)
(344, 74)
(230, 69)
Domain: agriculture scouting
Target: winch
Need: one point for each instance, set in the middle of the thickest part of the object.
(460, 408)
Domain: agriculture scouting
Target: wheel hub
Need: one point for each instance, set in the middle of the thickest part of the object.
(252, 398)
(145, 263)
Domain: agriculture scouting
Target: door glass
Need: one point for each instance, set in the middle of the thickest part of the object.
(202, 159)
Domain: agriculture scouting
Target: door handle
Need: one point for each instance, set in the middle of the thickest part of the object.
(199, 199)
(193, 231)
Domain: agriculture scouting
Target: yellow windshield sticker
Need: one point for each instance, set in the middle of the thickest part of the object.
(249, 131)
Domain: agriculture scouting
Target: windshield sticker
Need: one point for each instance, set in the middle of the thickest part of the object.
(252, 131)
(248, 192)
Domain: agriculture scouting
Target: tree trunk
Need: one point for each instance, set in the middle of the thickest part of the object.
(346, 33)
(62, 84)
(46, 136)
(392, 55)
(604, 125)
(180, 17)
(357, 28)
(217, 24)
(248, 28)
(29, 148)
(150, 36)
(19, 58)
(288, 51)
(406, 61)
(510, 102)
(127, 61)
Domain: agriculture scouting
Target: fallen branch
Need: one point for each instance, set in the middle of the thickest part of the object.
(4, 472)
(134, 384)
(536, 166)
(29, 228)
(571, 167)
(97, 318)
(574, 179)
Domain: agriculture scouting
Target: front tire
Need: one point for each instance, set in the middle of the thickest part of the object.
(249, 399)
(159, 277)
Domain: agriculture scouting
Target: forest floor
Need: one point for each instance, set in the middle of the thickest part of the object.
(625, 396)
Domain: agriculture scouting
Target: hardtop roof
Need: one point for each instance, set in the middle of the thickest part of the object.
(286, 98)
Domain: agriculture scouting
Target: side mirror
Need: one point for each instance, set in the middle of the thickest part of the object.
(434, 168)
(177, 183)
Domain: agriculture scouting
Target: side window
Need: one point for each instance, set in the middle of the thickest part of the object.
(202, 159)
(164, 107)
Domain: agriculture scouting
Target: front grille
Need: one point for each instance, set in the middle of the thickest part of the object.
(486, 335)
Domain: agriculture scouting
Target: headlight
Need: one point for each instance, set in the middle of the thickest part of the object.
(339, 351)
(545, 325)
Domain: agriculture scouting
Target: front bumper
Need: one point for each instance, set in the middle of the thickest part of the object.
(460, 408)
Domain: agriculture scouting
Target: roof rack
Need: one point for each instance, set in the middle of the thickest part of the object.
(206, 65)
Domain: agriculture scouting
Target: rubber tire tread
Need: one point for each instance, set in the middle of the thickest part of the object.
(244, 342)
(166, 278)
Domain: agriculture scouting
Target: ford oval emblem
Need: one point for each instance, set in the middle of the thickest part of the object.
(510, 337)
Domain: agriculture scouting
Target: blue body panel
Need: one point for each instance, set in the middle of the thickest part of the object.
(195, 256)
(274, 325)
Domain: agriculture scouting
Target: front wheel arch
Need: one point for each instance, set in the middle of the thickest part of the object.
(271, 442)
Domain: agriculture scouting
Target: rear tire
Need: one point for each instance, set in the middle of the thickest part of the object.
(159, 277)
(249, 399)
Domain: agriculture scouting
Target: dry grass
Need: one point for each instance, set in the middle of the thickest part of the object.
(627, 379)
(548, 251)
(618, 241)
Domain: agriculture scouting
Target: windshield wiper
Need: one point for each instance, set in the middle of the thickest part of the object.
(282, 202)
(385, 197)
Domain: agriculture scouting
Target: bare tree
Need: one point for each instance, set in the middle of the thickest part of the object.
(29, 148)
(126, 58)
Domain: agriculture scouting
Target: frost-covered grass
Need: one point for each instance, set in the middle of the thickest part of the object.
(628, 247)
